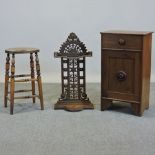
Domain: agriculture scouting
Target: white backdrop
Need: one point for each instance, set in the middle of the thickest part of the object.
(45, 24)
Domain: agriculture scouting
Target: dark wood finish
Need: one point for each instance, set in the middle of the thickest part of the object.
(107, 103)
(123, 41)
(114, 63)
(72, 54)
(125, 68)
(11, 79)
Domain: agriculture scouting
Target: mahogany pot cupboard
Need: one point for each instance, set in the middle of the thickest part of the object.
(125, 68)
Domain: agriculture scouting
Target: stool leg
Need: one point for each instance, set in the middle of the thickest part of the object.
(12, 84)
(7, 67)
(39, 81)
(32, 76)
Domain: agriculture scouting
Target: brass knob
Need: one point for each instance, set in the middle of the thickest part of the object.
(121, 76)
(121, 42)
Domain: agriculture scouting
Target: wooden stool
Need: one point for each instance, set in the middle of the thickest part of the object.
(11, 78)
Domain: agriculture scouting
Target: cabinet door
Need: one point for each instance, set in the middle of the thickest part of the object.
(121, 75)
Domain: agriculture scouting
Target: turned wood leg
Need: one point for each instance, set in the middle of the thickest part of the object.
(7, 67)
(40, 93)
(12, 84)
(105, 104)
(39, 82)
(32, 76)
(136, 109)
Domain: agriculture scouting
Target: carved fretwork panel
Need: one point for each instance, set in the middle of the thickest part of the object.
(72, 54)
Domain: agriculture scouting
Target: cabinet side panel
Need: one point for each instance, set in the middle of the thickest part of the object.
(101, 66)
(146, 71)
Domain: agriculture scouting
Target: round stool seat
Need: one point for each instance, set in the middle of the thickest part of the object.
(21, 50)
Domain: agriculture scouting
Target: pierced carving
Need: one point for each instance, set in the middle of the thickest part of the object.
(72, 54)
(73, 47)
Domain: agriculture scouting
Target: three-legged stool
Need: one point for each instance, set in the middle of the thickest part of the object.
(10, 77)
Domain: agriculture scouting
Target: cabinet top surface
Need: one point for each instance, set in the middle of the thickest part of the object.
(127, 32)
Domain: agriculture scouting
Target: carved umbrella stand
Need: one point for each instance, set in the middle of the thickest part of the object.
(72, 54)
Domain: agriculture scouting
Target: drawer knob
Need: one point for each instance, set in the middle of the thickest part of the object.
(121, 42)
(121, 76)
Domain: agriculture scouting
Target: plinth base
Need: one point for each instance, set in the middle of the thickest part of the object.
(73, 105)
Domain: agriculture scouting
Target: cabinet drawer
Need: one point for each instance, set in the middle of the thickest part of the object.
(122, 41)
